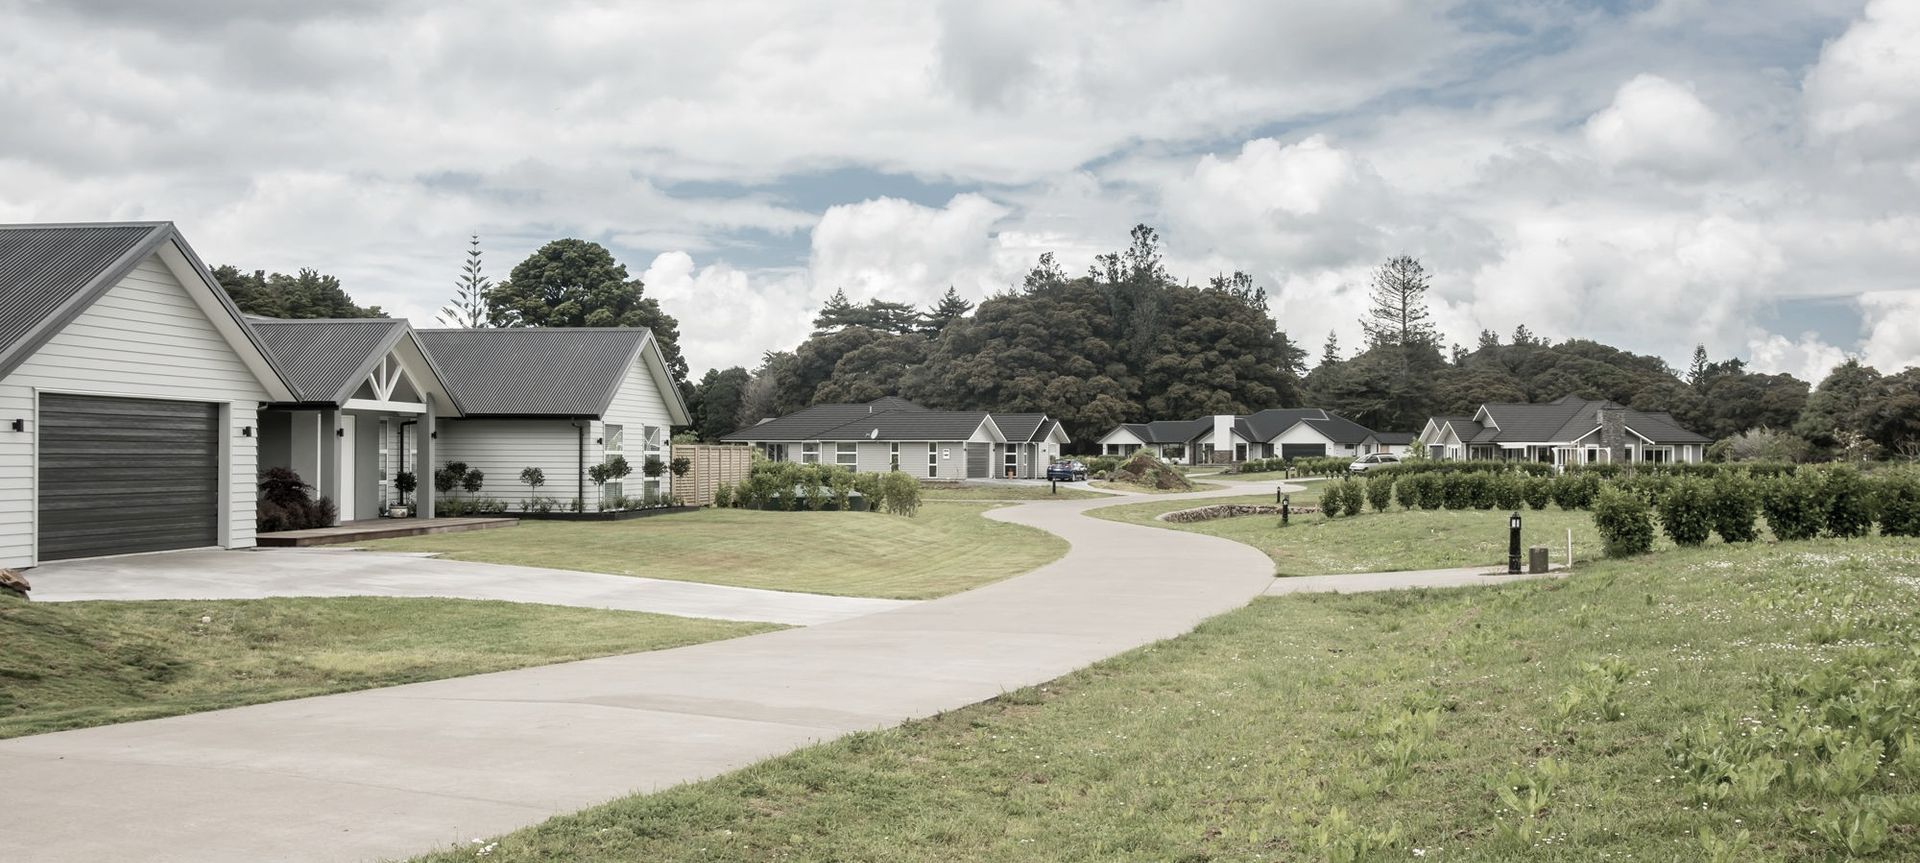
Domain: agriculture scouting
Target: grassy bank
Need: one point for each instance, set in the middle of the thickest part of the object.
(944, 549)
(1384, 542)
(1632, 712)
(74, 664)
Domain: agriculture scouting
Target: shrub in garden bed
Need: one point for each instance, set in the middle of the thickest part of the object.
(1849, 503)
(1897, 498)
(1410, 490)
(1687, 511)
(1796, 506)
(1508, 490)
(1537, 491)
(1575, 489)
(1625, 522)
(1736, 508)
(1379, 492)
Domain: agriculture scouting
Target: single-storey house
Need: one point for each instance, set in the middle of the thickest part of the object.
(1389, 443)
(1272, 433)
(560, 399)
(1567, 431)
(130, 391)
(895, 434)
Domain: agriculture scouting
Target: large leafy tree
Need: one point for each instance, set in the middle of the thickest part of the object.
(1842, 403)
(716, 401)
(306, 294)
(577, 283)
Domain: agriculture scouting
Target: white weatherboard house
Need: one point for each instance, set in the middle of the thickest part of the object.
(560, 399)
(1568, 431)
(129, 392)
(895, 434)
(1273, 433)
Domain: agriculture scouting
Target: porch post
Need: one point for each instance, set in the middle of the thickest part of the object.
(327, 485)
(425, 458)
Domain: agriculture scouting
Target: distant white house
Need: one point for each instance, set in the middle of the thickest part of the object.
(1568, 431)
(895, 434)
(1273, 433)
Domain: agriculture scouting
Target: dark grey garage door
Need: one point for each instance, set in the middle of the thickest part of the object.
(119, 476)
(1303, 450)
(979, 460)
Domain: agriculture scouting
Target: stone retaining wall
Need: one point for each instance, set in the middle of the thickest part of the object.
(1228, 510)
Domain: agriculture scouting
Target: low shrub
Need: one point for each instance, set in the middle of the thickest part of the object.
(871, 488)
(1537, 491)
(1897, 498)
(1575, 489)
(1409, 489)
(1343, 497)
(1849, 503)
(1508, 490)
(840, 483)
(1796, 506)
(1687, 511)
(1736, 507)
(1379, 492)
(902, 493)
(1625, 522)
(723, 496)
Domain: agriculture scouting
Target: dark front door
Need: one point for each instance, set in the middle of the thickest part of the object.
(120, 475)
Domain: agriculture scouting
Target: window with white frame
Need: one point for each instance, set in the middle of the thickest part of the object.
(893, 456)
(654, 439)
(847, 455)
(1013, 459)
(810, 453)
(933, 460)
(1657, 454)
(614, 443)
(385, 475)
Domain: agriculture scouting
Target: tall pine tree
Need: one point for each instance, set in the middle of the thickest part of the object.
(469, 307)
(1399, 299)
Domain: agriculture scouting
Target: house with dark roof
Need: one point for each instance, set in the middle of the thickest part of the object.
(130, 388)
(1568, 431)
(895, 434)
(562, 399)
(1272, 433)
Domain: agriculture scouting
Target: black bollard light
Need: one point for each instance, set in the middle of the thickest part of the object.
(1286, 509)
(1278, 496)
(1513, 544)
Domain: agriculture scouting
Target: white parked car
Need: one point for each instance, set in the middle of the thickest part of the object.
(1370, 460)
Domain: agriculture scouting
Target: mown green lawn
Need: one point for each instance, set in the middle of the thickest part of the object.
(74, 664)
(1141, 489)
(1068, 491)
(945, 548)
(1390, 541)
(1685, 706)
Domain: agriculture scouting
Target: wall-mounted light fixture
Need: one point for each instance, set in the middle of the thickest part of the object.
(19, 425)
(600, 440)
(433, 434)
(340, 432)
(246, 431)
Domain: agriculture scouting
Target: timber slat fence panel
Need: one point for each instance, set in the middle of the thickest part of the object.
(713, 465)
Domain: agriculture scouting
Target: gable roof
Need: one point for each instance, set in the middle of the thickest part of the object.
(325, 359)
(912, 426)
(1563, 420)
(808, 423)
(1393, 438)
(543, 371)
(51, 273)
(1021, 428)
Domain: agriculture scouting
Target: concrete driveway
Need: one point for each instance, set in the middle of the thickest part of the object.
(262, 573)
(393, 772)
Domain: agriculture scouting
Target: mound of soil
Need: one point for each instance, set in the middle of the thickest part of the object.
(1145, 470)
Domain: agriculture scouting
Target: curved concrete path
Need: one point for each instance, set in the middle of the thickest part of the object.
(392, 772)
(263, 573)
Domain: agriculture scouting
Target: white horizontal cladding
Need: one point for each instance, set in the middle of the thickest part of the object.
(637, 404)
(1120, 435)
(146, 337)
(876, 456)
(502, 448)
(1305, 433)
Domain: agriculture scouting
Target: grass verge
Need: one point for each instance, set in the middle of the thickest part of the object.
(1592, 718)
(1005, 492)
(75, 664)
(1393, 541)
(943, 549)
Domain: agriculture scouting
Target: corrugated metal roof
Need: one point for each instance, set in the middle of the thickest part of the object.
(909, 426)
(322, 359)
(533, 371)
(46, 269)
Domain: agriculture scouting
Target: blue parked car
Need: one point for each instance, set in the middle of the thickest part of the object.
(1067, 471)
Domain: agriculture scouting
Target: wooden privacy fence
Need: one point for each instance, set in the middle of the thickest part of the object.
(713, 465)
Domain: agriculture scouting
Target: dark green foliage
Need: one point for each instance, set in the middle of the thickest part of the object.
(305, 295)
(1433, 492)
(717, 401)
(680, 466)
(576, 283)
(1509, 490)
(448, 478)
(1537, 491)
(1379, 492)
(286, 503)
(1736, 508)
(1344, 497)
(1409, 491)
(1575, 489)
(1625, 522)
(473, 481)
(1687, 511)
(1897, 497)
(723, 496)
(405, 482)
(653, 467)
(1796, 506)
(1849, 503)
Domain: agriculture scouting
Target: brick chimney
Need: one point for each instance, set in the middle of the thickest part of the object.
(1613, 433)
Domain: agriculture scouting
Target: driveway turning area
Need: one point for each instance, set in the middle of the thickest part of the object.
(393, 772)
(262, 573)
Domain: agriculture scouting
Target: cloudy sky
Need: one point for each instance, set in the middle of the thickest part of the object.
(1743, 173)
